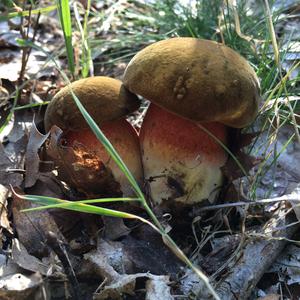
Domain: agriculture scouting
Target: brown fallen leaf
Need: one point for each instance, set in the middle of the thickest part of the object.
(114, 228)
(24, 260)
(4, 222)
(109, 262)
(32, 160)
(32, 226)
(13, 151)
(157, 287)
(129, 255)
(232, 171)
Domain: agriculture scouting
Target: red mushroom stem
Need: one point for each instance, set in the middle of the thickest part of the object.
(181, 162)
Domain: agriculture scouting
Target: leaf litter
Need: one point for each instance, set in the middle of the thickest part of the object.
(112, 260)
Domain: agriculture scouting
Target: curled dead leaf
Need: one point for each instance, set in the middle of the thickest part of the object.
(36, 140)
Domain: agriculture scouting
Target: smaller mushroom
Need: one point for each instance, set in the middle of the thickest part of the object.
(190, 82)
(81, 159)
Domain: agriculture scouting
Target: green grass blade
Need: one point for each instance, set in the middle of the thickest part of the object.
(86, 55)
(26, 13)
(30, 105)
(86, 60)
(44, 200)
(66, 24)
(272, 31)
(226, 149)
(70, 205)
(10, 115)
(9, 3)
(81, 207)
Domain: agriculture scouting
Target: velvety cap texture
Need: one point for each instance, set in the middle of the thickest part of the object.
(201, 80)
(104, 98)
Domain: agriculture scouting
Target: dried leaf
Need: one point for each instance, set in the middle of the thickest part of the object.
(6, 90)
(26, 261)
(156, 287)
(32, 227)
(232, 171)
(12, 154)
(6, 164)
(105, 261)
(122, 285)
(296, 204)
(114, 228)
(72, 224)
(7, 266)
(4, 222)
(288, 263)
(22, 121)
(150, 255)
(36, 140)
(21, 287)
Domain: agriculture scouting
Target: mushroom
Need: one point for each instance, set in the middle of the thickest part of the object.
(82, 160)
(191, 84)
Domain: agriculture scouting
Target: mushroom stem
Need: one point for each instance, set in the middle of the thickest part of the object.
(181, 162)
(84, 163)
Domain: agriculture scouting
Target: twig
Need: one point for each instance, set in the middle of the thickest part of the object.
(26, 50)
(60, 250)
(258, 254)
(289, 197)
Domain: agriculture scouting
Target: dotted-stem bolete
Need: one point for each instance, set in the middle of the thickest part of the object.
(81, 159)
(189, 82)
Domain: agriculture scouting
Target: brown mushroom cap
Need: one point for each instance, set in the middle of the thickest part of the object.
(104, 98)
(197, 79)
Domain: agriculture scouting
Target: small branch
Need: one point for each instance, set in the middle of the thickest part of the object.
(289, 197)
(256, 257)
(26, 50)
(60, 250)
